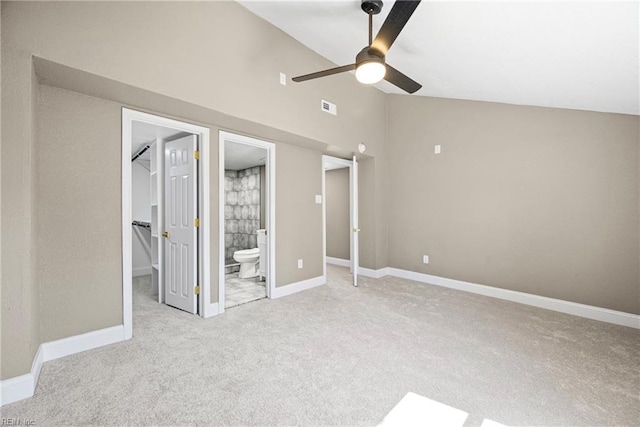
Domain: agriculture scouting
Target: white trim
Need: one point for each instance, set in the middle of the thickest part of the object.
(141, 271)
(78, 343)
(211, 309)
(203, 133)
(16, 388)
(204, 205)
(24, 386)
(270, 212)
(283, 291)
(562, 306)
(362, 271)
(332, 163)
(338, 261)
(36, 366)
(374, 274)
(127, 245)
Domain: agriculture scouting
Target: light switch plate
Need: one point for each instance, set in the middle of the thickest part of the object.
(283, 79)
(318, 199)
(437, 149)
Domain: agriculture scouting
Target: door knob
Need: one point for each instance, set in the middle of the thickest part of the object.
(165, 234)
(356, 230)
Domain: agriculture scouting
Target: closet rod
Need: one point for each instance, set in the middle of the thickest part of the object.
(142, 224)
(140, 152)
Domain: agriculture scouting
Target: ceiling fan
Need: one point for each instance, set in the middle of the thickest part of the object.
(370, 63)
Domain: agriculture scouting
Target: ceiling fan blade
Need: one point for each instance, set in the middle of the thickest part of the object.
(395, 22)
(325, 73)
(405, 83)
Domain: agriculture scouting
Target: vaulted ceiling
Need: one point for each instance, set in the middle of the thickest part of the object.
(565, 54)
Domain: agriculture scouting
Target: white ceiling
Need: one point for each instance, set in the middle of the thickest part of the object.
(241, 156)
(566, 54)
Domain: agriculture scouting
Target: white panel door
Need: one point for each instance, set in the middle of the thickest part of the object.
(180, 232)
(354, 222)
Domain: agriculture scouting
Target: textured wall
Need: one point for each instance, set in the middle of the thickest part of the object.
(298, 216)
(103, 38)
(242, 210)
(79, 262)
(337, 208)
(538, 200)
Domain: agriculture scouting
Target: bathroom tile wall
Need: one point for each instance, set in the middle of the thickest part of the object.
(242, 210)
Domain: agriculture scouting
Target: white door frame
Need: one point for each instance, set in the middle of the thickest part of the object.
(270, 210)
(338, 163)
(129, 116)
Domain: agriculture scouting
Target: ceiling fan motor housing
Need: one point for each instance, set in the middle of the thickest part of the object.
(371, 7)
(369, 54)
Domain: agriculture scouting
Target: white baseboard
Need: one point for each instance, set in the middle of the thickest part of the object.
(303, 285)
(141, 271)
(374, 274)
(338, 261)
(22, 387)
(568, 307)
(83, 342)
(363, 271)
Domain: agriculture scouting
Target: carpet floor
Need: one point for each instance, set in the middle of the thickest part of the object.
(339, 355)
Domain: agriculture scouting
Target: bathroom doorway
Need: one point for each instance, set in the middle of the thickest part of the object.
(246, 220)
(340, 213)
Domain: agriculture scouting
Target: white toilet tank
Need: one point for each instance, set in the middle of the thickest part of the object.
(262, 246)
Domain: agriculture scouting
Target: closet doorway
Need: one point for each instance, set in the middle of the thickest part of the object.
(247, 220)
(166, 218)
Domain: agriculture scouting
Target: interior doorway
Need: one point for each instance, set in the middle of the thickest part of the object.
(168, 228)
(247, 220)
(340, 213)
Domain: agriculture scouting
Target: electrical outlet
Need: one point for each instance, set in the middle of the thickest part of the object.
(300, 263)
(283, 79)
(425, 259)
(437, 149)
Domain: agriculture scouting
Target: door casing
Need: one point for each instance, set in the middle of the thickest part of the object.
(337, 163)
(270, 210)
(206, 309)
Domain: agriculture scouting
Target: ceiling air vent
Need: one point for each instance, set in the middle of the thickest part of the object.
(328, 107)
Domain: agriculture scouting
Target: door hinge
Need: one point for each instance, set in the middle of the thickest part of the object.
(196, 155)
(196, 290)
(196, 222)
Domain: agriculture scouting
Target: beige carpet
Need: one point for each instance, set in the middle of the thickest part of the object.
(338, 355)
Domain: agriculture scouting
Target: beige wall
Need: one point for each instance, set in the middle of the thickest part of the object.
(228, 78)
(79, 213)
(20, 299)
(337, 207)
(550, 197)
(298, 217)
(537, 200)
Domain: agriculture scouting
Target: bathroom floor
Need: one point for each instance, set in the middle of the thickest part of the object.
(239, 291)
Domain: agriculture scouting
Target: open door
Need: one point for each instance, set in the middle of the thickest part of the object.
(180, 218)
(354, 221)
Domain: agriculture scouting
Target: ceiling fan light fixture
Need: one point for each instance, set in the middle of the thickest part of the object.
(370, 66)
(370, 72)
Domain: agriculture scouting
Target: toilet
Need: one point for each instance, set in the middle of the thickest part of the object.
(248, 259)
